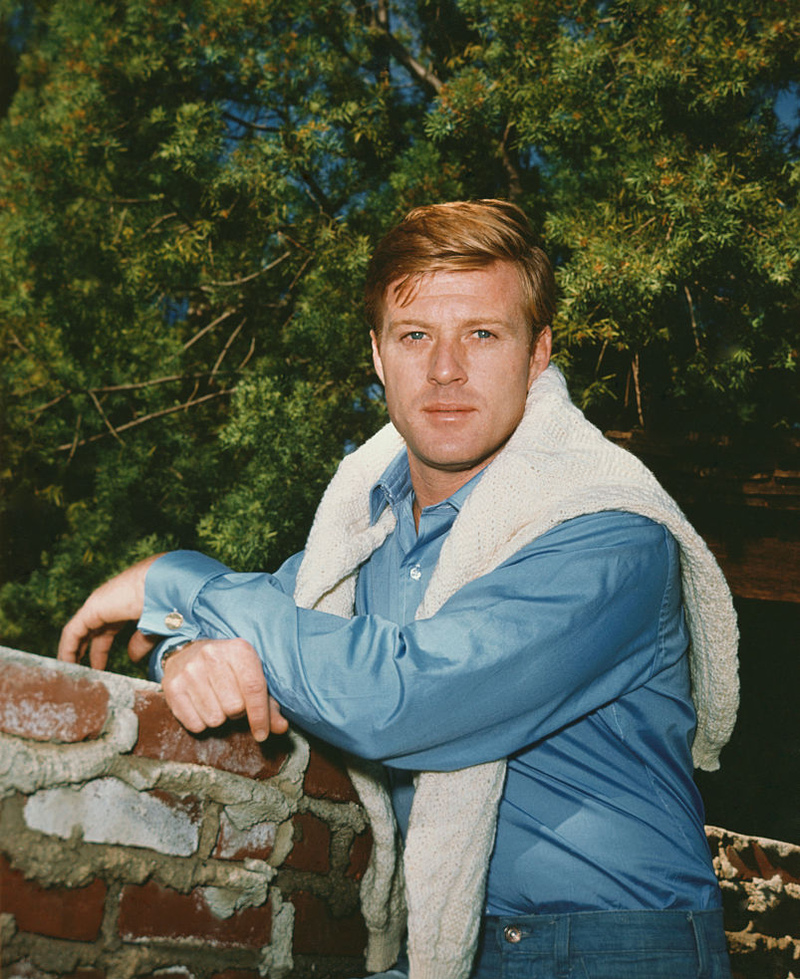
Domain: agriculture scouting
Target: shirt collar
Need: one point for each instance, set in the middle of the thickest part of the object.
(394, 486)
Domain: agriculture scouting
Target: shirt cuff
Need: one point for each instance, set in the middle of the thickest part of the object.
(155, 666)
(171, 587)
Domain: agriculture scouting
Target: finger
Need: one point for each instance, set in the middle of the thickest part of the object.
(253, 688)
(100, 648)
(141, 645)
(72, 642)
(78, 632)
(234, 674)
(191, 690)
(277, 722)
(181, 705)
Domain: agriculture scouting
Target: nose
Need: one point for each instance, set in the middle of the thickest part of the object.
(446, 365)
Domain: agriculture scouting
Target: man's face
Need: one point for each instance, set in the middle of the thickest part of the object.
(456, 363)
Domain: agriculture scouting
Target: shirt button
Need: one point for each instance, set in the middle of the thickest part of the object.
(415, 572)
(173, 620)
(512, 934)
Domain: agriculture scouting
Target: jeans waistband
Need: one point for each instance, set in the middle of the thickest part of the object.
(609, 930)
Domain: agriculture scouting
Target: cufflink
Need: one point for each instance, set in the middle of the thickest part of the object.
(173, 620)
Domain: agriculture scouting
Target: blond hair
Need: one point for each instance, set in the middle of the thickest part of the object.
(460, 236)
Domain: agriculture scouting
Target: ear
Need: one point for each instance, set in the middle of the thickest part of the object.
(376, 357)
(540, 355)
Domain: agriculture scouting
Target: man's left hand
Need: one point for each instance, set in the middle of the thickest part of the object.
(209, 681)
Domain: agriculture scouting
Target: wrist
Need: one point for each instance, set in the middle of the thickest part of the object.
(171, 652)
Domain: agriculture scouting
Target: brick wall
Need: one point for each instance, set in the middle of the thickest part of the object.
(129, 848)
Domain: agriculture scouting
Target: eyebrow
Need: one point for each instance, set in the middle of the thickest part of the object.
(474, 321)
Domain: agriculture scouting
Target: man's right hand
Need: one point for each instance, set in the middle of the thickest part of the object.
(211, 680)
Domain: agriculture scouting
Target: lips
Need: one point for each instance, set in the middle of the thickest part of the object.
(447, 409)
(448, 413)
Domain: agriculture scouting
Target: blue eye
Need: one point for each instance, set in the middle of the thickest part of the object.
(484, 334)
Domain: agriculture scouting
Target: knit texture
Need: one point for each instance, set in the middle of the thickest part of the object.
(555, 467)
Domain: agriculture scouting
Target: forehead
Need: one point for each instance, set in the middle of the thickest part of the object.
(495, 290)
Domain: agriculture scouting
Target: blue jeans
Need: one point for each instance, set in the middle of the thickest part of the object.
(604, 945)
(599, 945)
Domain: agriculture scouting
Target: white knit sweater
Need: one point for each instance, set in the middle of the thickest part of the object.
(555, 467)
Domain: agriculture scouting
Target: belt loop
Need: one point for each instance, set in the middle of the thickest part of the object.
(561, 951)
(703, 957)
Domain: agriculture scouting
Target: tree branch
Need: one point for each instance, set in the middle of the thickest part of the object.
(103, 415)
(158, 221)
(248, 355)
(250, 125)
(73, 445)
(248, 278)
(692, 317)
(418, 72)
(208, 327)
(140, 421)
(514, 181)
(636, 387)
(135, 386)
(234, 333)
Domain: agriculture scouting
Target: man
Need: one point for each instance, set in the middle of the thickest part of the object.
(486, 579)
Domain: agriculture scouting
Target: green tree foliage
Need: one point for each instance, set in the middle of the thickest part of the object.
(189, 194)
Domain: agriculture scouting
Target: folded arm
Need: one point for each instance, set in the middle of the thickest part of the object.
(567, 625)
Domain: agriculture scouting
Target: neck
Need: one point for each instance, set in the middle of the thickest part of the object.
(433, 486)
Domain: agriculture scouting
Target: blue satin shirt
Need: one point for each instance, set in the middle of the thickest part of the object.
(569, 659)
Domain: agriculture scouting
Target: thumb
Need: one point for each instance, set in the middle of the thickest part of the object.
(141, 645)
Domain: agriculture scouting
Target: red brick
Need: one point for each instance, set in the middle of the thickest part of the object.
(74, 913)
(326, 775)
(240, 844)
(360, 852)
(231, 747)
(152, 911)
(44, 704)
(312, 844)
(317, 932)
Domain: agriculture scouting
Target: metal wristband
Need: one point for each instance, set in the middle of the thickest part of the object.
(173, 650)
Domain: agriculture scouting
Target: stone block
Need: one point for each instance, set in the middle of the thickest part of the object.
(73, 913)
(25, 969)
(108, 810)
(231, 748)
(48, 705)
(256, 842)
(149, 911)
